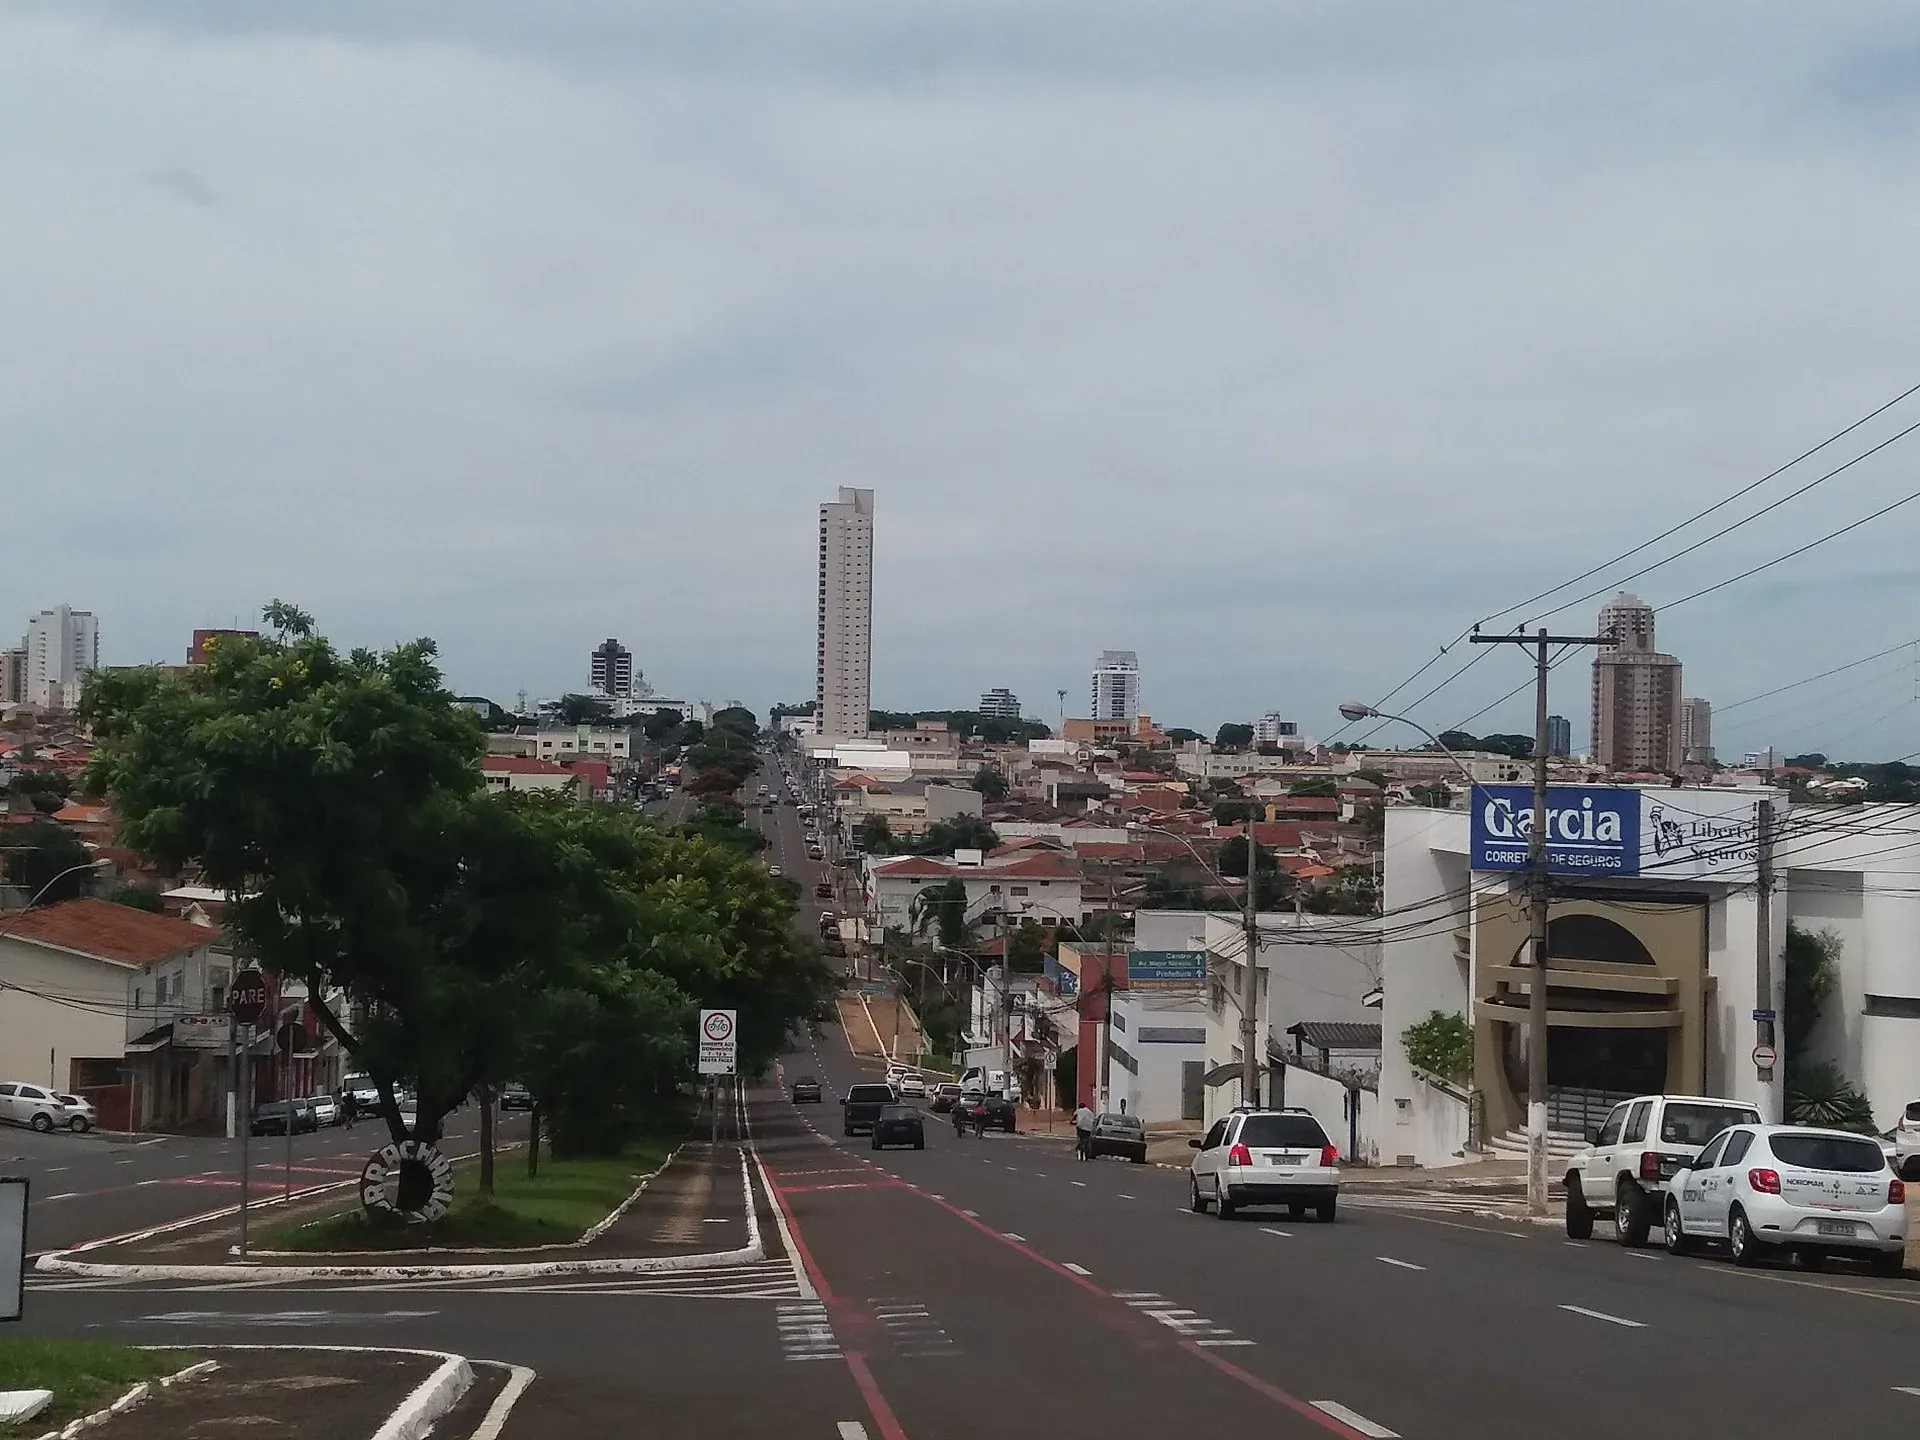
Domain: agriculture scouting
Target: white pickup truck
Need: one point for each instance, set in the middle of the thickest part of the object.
(1644, 1143)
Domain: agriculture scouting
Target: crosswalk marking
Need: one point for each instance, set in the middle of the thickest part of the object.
(806, 1333)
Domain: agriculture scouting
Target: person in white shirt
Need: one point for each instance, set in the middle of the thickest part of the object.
(1083, 1131)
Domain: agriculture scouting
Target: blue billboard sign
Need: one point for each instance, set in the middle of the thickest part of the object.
(1166, 967)
(1591, 829)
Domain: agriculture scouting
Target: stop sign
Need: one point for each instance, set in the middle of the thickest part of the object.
(247, 1000)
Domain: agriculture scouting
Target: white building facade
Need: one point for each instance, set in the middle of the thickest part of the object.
(844, 654)
(1116, 686)
(62, 645)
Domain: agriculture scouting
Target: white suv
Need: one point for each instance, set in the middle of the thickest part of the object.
(1265, 1157)
(1906, 1143)
(1641, 1147)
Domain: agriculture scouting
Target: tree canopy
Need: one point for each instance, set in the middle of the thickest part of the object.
(990, 783)
(46, 859)
(1233, 737)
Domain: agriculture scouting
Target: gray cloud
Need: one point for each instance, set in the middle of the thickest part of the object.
(1275, 343)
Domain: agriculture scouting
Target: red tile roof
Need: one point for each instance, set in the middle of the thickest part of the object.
(1298, 805)
(1036, 867)
(517, 765)
(912, 865)
(108, 931)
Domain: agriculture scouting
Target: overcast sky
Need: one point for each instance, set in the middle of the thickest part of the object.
(1275, 341)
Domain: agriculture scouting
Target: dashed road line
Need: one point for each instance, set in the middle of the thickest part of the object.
(1188, 1324)
(1602, 1315)
(1401, 1264)
(914, 1333)
(1356, 1421)
(1011, 1236)
(1081, 1183)
(1270, 1230)
(852, 1430)
(1077, 1269)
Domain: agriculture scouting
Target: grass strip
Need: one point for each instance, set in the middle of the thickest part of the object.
(84, 1375)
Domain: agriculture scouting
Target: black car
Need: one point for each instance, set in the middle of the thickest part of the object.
(515, 1096)
(899, 1125)
(272, 1118)
(988, 1112)
(806, 1091)
(861, 1109)
(1122, 1135)
(944, 1096)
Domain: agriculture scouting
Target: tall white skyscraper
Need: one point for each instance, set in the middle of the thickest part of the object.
(1696, 730)
(845, 655)
(62, 644)
(1116, 686)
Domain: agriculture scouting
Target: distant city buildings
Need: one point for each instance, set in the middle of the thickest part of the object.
(1636, 693)
(1270, 729)
(13, 676)
(1116, 685)
(611, 668)
(1559, 736)
(844, 654)
(1696, 731)
(197, 651)
(999, 705)
(61, 646)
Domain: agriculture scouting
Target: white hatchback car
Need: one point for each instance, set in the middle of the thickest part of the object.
(912, 1086)
(1265, 1157)
(1906, 1143)
(33, 1105)
(1766, 1189)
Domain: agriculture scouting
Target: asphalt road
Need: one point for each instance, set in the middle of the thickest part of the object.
(86, 1188)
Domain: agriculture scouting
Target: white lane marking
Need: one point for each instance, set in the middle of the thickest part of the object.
(1575, 1244)
(1125, 1196)
(1602, 1315)
(1077, 1269)
(1081, 1183)
(1403, 1264)
(1908, 1389)
(1011, 1236)
(68, 1196)
(852, 1430)
(56, 1169)
(971, 1214)
(1269, 1230)
(1134, 1294)
(495, 1421)
(1216, 1344)
(1355, 1420)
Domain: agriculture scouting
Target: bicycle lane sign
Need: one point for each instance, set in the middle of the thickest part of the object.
(719, 1042)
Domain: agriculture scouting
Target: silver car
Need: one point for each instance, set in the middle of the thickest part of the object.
(34, 1105)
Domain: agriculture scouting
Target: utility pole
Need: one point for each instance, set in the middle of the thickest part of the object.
(1250, 1056)
(1537, 885)
(1764, 1015)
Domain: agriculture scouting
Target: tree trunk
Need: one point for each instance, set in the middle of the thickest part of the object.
(486, 1139)
(533, 1142)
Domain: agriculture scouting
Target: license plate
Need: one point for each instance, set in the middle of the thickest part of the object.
(1834, 1227)
(1283, 1159)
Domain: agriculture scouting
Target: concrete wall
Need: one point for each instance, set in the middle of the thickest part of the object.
(40, 1035)
(1329, 1100)
(1152, 1088)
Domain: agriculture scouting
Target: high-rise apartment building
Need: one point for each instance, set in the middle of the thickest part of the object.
(62, 644)
(610, 668)
(1696, 731)
(999, 704)
(1116, 686)
(1270, 729)
(845, 653)
(13, 676)
(1559, 736)
(1636, 693)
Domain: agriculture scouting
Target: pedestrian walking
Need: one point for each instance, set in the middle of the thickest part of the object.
(1083, 1131)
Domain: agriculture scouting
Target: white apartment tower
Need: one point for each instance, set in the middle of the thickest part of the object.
(1696, 731)
(1636, 693)
(845, 654)
(1116, 686)
(999, 704)
(62, 644)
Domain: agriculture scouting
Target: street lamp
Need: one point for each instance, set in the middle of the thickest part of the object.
(1354, 710)
(1249, 982)
(70, 870)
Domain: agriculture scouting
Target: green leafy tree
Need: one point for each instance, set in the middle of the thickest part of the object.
(962, 832)
(1319, 785)
(990, 783)
(1027, 948)
(580, 710)
(1233, 737)
(46, 859)
(1435, 796)
(1441, 1045)
(138, 897)
(1233, 857)
(941, 910)
(1373, 775)
(1180, 735)
(661, 725)
(1234, 812)
(875, 836)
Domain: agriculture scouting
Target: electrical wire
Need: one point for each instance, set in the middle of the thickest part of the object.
(1719, 710)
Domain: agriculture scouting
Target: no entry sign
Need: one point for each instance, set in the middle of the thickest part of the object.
(719, 1046)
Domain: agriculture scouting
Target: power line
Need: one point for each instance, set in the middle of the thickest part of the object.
(1719, 710)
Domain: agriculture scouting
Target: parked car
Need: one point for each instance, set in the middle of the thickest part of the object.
(806, 1091)
(774, 871)
(823, 890)
(1763, 1190)
(863, 1105)
(1265, 1157)
(326, 1110)
(1906, 1143)
(274, 1117)
(996, 1111)
(1122, 1135)
(899, 1125)
(913, 1086)
(33, 1105)
(515, 1096)
(1635, 1154)
(81, 1116)
(944, 1097)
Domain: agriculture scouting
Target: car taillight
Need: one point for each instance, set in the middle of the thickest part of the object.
(1239, 1155)
(1767, 1182)
(1329, 1156)
(1897, 1193)
(1649, 1165)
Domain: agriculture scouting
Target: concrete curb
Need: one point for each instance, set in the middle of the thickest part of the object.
(750, 1253)
(132, 1398)
(431, 1399)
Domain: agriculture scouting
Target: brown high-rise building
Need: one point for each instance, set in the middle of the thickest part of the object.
(1636, 693)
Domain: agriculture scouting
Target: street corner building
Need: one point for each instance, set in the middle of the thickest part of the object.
(1655, 953)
